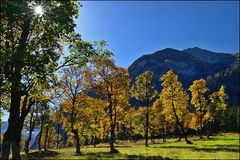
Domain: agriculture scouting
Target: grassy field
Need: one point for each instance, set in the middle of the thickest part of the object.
(224, 146)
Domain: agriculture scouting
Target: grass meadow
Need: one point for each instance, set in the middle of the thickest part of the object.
(222, 146)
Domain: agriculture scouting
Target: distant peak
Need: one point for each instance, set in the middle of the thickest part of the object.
(197, 50)
(167, 50)
(170, 49)
(194, 48)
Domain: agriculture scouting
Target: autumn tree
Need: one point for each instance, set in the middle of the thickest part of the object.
(31, 43)
(44, 118)
(143, 90)
(133, 122)
(174, 100)
(158, 124)
(129, 119)
(73, 86)
(110, 82)
(216, 108)
(198, 90)
(96, 115)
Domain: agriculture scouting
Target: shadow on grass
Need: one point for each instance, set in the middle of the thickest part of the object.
(107, 155)
(108, 146)
(91, 155)
(40, 155)
(214, 148)
(215, 139)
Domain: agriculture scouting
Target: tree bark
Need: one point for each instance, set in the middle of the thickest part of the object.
(146, 129)
(58, 133)
(65, 139)
(181, 126)
(46, 138)
(201, 124)
(94, 141)
(49, 140)
(31, 126)
(210, 126)
(40, 135)
(0, 120)
(77, 140)
(112, 126)
(13, 134)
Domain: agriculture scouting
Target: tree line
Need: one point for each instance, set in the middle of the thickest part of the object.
(91, 104)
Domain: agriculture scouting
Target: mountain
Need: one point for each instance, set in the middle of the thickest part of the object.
(230, 77)
(190, 64)
(209, 56)
(35, 134)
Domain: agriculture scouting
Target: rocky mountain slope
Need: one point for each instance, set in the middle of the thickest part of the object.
(189, 64)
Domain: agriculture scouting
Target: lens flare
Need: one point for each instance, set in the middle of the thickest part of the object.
(39, 10)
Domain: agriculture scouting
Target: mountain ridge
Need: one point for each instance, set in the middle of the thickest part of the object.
(190, 64)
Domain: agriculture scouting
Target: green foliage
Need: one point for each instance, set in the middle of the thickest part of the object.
(143, 89)
(134, 119)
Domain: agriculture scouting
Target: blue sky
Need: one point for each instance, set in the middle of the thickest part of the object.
(134, 28)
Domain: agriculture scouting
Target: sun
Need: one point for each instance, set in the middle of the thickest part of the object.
(39, 10)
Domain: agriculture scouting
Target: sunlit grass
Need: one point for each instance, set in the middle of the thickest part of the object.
(224, 146)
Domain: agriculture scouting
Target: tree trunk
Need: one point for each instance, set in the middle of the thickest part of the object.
(40, 135)
(46, 138)
(112, 126)
(12, 136)
(0, 121)
(58, 133)
(111, 131)
(31, 126)
(49, 140)
(163, 139)
(201, 122)
(210, 126)
(181, 126)
(65, 139)
(201, 127)
(146, 129)
(77, 140)
(94, 142)
(152, 137)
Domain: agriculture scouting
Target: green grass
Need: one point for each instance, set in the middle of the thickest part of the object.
(224, 146)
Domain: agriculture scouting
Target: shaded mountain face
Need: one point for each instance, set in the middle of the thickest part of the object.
(209, 56)
(230, 77)
(190, 64)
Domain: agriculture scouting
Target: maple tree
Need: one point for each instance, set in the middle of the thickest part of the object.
(111, 83)
(216, 107)
(198, 90)
(174, 100)
(144, 91)
(73, 86)
(159, 126)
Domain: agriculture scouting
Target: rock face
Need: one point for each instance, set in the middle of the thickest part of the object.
(189, 64)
